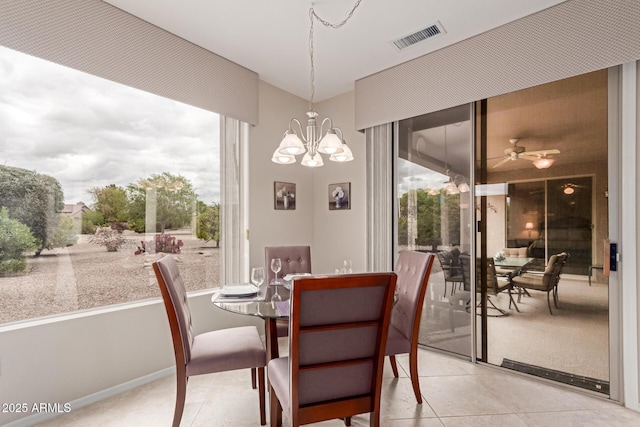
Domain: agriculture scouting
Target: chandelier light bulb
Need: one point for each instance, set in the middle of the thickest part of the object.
(314, 161)
(345, 156)
(282, 159)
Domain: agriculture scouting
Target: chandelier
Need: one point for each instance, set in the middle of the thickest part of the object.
(326, 138)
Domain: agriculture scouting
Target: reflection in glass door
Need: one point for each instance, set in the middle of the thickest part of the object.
(537, 211)
(434, 215)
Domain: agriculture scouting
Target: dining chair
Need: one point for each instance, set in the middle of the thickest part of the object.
(413, 270)
(338, 334)
(209, 352)
(545, 281)
(295, 259)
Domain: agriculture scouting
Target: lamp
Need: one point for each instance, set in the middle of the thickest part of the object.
(544, 162)
(312, 142)
(529, 226)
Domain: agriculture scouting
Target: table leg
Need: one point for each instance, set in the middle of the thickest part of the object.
(271, 335)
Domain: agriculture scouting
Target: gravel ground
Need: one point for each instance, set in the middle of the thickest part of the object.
(85, 276)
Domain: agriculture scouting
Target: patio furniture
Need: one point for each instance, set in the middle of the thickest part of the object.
(546, 281)
(210, 352)
(413, 270)
(450, 264)
(494, 283)
(337, 338)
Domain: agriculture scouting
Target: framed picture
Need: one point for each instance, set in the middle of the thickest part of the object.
(284, 196)
(340, 196)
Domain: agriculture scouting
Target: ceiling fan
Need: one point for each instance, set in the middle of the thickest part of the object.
(516, 152)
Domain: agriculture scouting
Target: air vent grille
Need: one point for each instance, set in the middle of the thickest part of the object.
(418, 36)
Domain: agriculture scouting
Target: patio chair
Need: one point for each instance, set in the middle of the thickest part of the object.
(495, 283)
(545, 281)
(210, 352)
(450, 264)
(413, 270)
(338, 334)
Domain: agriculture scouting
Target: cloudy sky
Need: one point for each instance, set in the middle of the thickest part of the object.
(412, 176)
(89, 132)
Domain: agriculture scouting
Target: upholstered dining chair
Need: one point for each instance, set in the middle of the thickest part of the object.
(413, 270)
(295, 260)
(338, 333)
(210, 352)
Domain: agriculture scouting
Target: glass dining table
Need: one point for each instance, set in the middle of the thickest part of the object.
(262, 306)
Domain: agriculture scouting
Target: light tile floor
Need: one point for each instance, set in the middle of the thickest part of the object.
(456, 393)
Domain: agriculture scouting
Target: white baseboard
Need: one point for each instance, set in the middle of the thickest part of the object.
(93, 398)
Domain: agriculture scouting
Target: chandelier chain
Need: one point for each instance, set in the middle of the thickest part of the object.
(312, 15)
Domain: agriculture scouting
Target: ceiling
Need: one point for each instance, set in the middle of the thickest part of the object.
(271, 37)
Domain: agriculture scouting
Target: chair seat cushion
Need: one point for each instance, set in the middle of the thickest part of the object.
(530, 281)
(396, 342)
(226, 350)
(278, 373)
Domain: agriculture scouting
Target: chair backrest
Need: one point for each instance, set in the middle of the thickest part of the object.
(295, 259)
(515, 252)
(176, 305)
(465, 268)
(492, 277)
(552, 272)
(338, 332)
(413, 270)
(449, 259)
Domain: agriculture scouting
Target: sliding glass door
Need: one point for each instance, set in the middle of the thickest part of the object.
(544, 153)
(434, 215)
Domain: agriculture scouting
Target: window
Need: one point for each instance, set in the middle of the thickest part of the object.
(97, 180)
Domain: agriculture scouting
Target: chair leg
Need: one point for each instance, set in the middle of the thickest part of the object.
(263, 413)
(394, 366)
(253, 378)
(347, 421)
(181, 394)
(413, 371)
(275, 409)
(549, 303)
(511, 300)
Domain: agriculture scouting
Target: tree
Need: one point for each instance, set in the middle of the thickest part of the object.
(112, 202)
(15, 240)
(63, 235)
(208, 223)
(34, 200)
(175, 201)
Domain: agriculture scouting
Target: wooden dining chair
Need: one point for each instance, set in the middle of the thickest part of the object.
(413, 270)
(338, 333)
(210, 352)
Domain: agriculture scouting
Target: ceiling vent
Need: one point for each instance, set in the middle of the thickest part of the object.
(420, 35)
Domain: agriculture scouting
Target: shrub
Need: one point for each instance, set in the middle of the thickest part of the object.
(108, 237)
(165, 243)
(15, 240)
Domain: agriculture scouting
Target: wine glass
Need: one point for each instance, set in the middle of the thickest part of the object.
(276, 266)
(257, 276)
(347, 266)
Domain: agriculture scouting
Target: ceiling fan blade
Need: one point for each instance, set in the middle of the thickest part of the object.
(503, 161)
(540, 152)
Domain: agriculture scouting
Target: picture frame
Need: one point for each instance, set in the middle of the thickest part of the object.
(340, 196)
(284, 196)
